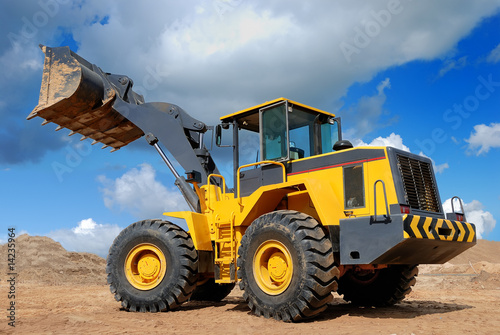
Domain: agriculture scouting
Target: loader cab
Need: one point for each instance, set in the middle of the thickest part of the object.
(281, 130)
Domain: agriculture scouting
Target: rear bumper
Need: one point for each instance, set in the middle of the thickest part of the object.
(405, 239)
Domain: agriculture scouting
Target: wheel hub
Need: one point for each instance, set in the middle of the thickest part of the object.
(277, 266)
(272, 267)
(149, 266)
(145, 266)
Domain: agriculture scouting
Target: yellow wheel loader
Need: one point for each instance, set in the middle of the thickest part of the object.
(307, 215)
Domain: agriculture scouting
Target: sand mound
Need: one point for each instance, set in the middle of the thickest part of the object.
(483, 251)
(42, 260)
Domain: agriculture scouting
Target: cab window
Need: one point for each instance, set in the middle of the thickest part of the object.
(291, 132)
(354, 187)
(274, 139)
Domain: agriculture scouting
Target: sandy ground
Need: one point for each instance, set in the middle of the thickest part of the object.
(461, 297)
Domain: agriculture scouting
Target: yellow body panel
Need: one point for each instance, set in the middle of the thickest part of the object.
(198, 226)
(318, 191)
(331, 189)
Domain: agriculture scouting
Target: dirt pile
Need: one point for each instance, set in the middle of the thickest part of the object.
(483, 251)
(452, 296)
(41, 260)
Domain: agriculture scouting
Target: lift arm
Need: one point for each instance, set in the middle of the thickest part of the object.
(78, 95)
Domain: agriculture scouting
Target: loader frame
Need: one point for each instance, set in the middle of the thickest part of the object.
(309, 214)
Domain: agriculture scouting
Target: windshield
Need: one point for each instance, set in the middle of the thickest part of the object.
(308, 133)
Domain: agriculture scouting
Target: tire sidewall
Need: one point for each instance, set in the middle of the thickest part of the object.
(126, 242)
(278, 232)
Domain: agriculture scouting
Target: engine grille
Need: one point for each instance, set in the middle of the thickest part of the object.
(418, 183)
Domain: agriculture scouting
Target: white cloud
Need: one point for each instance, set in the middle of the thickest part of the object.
(484, 138)
(396, 141)
(452, 64)
(205, 51)
(393, 140)
(87, 236)
(494, 56)
(218, 57)
(474, 212)
(437, 168)
(85, 227)
(366, 113)
(440, 168)
(141, 194)
(386, 83)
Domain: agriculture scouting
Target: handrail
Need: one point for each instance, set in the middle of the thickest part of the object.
(254, 164)
(461, 205)
(208, 187)
(387, 216)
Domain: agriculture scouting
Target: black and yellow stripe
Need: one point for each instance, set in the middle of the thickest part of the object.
(438, 229)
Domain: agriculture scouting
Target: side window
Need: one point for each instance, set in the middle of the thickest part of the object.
(274, 138)
(329, 135)
(354, 186)
(248, 147)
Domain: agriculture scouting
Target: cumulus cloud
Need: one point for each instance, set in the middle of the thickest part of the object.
(139, 192)
(494, 56)
(393, 140)
(87, 236)
(217, 57)
(475, 213)
(483, 138)
(396, 141)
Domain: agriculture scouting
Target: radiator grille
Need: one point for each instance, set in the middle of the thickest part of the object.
(418, 183)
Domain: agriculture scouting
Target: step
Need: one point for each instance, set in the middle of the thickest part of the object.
(224, 259)
(226, 239)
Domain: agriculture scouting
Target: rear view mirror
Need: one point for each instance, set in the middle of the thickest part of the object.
(218, 135)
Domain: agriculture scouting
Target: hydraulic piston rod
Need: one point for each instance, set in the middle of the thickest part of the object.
(186, 190)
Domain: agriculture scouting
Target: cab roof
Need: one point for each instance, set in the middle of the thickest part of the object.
(250, 116)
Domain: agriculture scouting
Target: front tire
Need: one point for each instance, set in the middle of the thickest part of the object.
(383, 287)
(286, 266)
(152, 266)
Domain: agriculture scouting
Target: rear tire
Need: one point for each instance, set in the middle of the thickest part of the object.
(152, 266)
(211, 291)
(384, 287)
(286, 266)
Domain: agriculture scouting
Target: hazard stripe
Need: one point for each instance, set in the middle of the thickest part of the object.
(472, 230)
(416, 226)
(456, 233)
(413, 225)
(427, 228)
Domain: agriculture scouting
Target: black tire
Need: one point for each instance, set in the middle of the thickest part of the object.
(384, 287)
(211, 291)
(180, 272)
(314, 273)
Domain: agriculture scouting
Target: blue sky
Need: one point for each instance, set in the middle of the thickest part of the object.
(423, 76)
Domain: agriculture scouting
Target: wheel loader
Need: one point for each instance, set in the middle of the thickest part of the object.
(307, 214)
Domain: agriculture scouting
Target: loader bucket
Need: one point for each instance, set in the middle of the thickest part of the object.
(76, 94)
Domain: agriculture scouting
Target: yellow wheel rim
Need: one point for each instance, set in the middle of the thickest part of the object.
(273, 267)
(145, 266)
